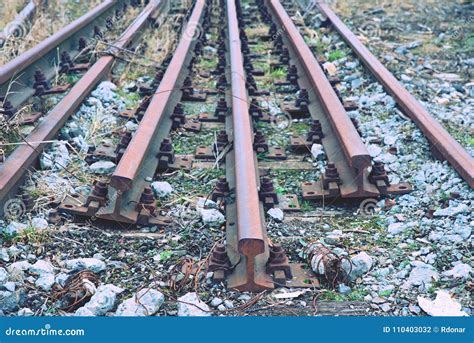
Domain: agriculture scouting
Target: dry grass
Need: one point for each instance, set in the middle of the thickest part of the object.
(49, 20)
(9, 9)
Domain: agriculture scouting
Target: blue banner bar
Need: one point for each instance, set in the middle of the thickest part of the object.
(237, 329)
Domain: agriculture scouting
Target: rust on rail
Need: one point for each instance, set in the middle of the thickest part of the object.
(441, 141)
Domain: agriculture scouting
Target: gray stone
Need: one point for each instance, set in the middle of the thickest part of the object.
(4, 255)
(61, 278)
(25, 312)
(93, 264)
(221, 307)
(421, 274)
(19, 266)
(459, 271)
(14, 228)
(396, 228)
(216, 302)
(3, 276)
(361, 264)
(41, 267)
(102, 301)
(462, 230)
(102, 167)
(276, 213)
(84, 312)
(161, 189)
(39, 223)
(212, 217)
(45, 281)
(190, 305)
(145, 302)
(8, 301)
(343, 289)
(451, 210)
(10, 286)
(228, 304)
(385, 307)
(56, 158)
(317, 151)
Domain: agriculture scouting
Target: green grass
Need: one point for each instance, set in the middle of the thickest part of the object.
(335, 55)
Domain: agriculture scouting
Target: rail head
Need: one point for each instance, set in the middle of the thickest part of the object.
(354, 149)
(250, 227)
(442, 141)
(136, 152)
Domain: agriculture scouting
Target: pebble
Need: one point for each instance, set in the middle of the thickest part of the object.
(361, 264)
(145, 302)
(228, 304)
(41, 267)
(93, 264)
(45, 281)
(14, 228)
(216, 302)
(276, 213)
(102, 301)
(317, 151)
(161, 189)
(39, 223)
(459, 271)
(25, 312)
(19, 266)
(3, 276)
(8, 301)
(4, 255)
(187, 306)
(422, 274)
(343, 289)
(212, 217)
(102, 167)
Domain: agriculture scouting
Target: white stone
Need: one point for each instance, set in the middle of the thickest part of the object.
(4, 255)
(102, 301)
(212, 217)
(190, 305)
(102, 167)
(317, 150)
(45, 281)
(396, 228)
(19, 266)
(276, 213)
(161, 189)
(374, 150)
(216, 302)
(10, 286)
(25, 312)
(459, 271)
(443, 305)
(3, 276)
(39, 223)
(421, 274)
(228, 304)
(14, 228)
(361, 264)
(93, 264)
(146, 302)
(84, 312)
(451, 210)
(41, 267)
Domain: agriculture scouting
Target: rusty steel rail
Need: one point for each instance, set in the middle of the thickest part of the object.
(24, 156)
(129, 185)
(341, 141)
(441, 141)
(251, 231)
(17, 76)
(136, 152)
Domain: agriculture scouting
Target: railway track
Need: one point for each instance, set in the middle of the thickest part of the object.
(230, 109)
